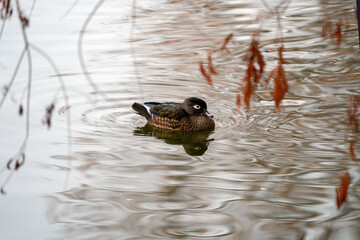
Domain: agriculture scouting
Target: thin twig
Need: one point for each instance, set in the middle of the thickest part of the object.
(2, 28)
(132, 50)
(6, 182)
(27, 134)
(200, 10)
(6, 10)
(32, 8)
(28, 53)
(358, 18)
(80, 50)
(69, 10)
(66, 98)
(266, 5)
(13, 77)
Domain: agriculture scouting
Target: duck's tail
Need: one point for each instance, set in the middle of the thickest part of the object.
(141, 110)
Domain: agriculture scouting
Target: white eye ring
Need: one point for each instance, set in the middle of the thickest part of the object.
(197, 106)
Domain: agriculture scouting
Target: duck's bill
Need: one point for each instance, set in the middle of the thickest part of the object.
(208, 114)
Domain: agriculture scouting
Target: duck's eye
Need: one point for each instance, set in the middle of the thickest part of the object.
(197, 106)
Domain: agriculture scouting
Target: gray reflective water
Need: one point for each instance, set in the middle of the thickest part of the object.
(259, 175)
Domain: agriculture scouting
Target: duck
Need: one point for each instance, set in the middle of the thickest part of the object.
(188, 116)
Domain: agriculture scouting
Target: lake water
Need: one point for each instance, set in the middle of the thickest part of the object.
(261, 174)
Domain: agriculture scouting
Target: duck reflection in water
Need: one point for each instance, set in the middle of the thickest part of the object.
(195, 143)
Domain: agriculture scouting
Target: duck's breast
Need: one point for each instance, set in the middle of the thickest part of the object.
(197, 123)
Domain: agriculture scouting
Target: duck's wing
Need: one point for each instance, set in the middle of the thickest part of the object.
(168, 110)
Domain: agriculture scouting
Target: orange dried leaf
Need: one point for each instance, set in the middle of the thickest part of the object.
(342, 191)
(277, 92)
(205, 74)
(20, 162)
(238, 102)
(24, 20)
(329, 54)
(351, 150)
(226, 41)
(244, 79)
(338, 33)
(261, 63)
(211, 66)
(352, 112)
(327, 28)
(280, 82)
(248, 90)
(8, 165)
(271, 74)
(48, 114)
(334, 30)
(250, 68)
(280, 53)
(280, 87)
(256, 75)
(253, 73)
(5, 10)
(21, 109)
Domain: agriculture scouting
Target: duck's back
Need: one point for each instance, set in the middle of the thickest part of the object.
(166, 115)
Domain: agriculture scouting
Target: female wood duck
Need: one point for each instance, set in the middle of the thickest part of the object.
(189, 116)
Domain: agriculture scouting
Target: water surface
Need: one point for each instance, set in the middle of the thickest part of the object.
(259, 175)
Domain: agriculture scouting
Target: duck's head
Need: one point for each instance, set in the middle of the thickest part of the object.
(195, 106)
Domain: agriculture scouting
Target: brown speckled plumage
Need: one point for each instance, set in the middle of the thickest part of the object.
(189, 116)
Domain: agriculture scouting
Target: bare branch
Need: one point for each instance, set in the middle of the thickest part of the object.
(8, 87)
(80, 50)
(69, 10)
(132, 50)
(66, 98)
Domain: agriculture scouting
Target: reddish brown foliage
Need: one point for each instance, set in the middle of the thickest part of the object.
(8, 165)
(351, 150)
(226, 41)
(352, 112)
(326, 29)
(280, 82)
(253, 53)
(271, 75)
(334, 30)
(337, 33)
(24, 20)
(5, 9)
(342, 191)
(212, 70)
(21, 109)
(238, 102)
(253, 73)
(20, 162)
(211, 66)
(206, 75)
(48, 114)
